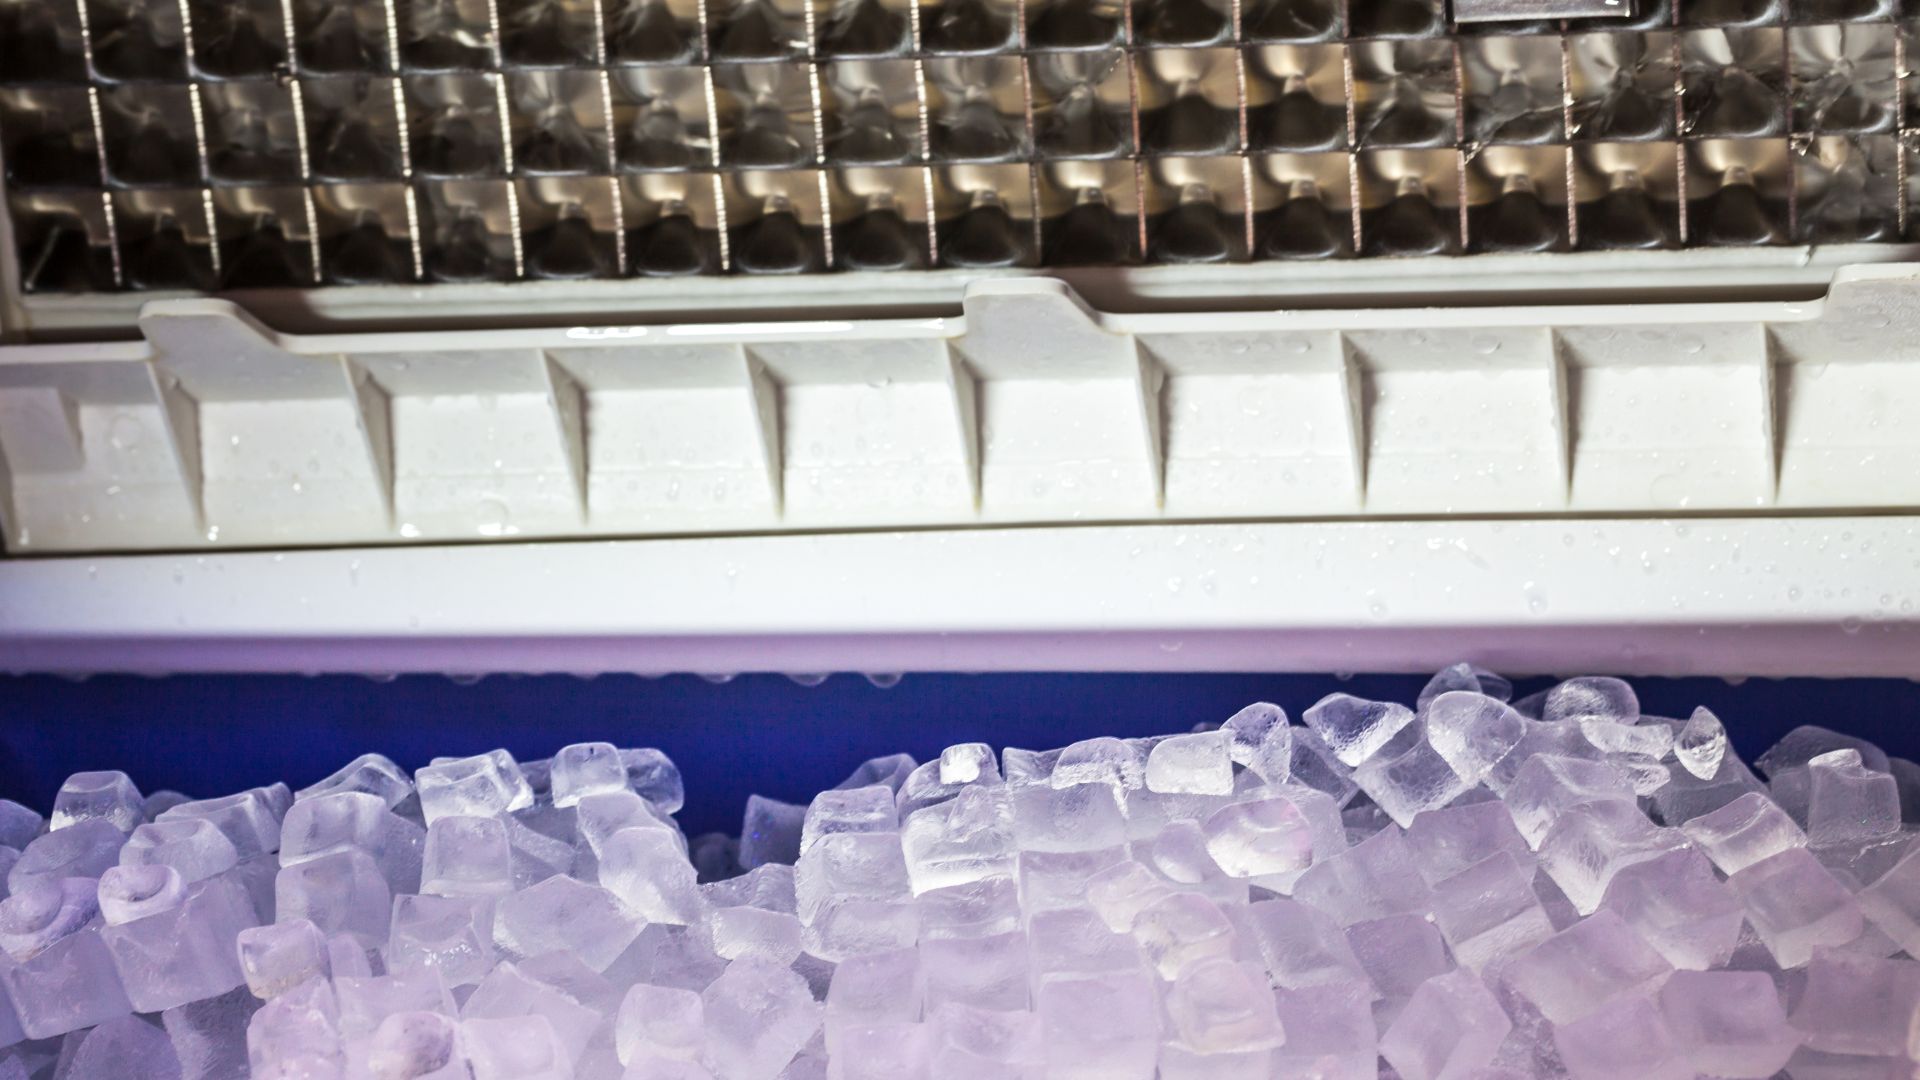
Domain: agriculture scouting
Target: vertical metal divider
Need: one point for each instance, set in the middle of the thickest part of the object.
(1786, 91)
(1353, 121)
(1033, 133)
(613, 151)
(111, 215)
(1234, 8)
(713, 137)
(1570, 162)
(1678, 51)
(408, 195)
(819, 133)
(198, 109)
(295, 86)
(1133, 115)
(926, 131)
(1460, 138)
(504, 107)
(1900, 131)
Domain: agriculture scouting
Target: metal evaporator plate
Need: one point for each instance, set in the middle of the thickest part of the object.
(1478, 11)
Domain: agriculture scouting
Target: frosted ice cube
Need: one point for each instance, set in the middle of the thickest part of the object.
(68, 985)
(968, 1043)
(184, 953)
(561, 914)
(597, 817)
(45, 912)
(1354, 728)
(373, 774)
(508, 992)
(1701, 744)
(1199, 764)
(977, 909)
(1728, 1023)
(749, 931)
(134, 892)
(1451, 1026)
(126, 1048)
(297, 1034)
(209, 1036)
(1583, 967)
(966, 838)
(280, 956)
(417, 1045)
(586, 769)
(1857, 1004)
(1652, 741)
(84, 849)
(1745, 831)
(1052, 880)
(1328, 1036)
(340, 893)
(1592, 842)
(1489, 911)
(1082, 817)
(1472, 732)
(968, 763)
(1592, 697)
(1548, 786)
(1267, 836)
(1626, 1039)
(1181, 930)
(1373, 879)
(984, 972)
(1410, 781)
(367, 1001)
(770, 832)
(758, 1016)
(104, 796)
(18, 825)
(849, 865)
(866, 809)
(654, 777)
(1261, 739)
(1397, 954)
(768, 887)
(1795, 906)
(514, 1048)
(1849, 804)
(1179, 854)
(453, 935)
(890, 772)
(1447, 841)
(1118, 893)
(250, 820)
(1677, 905)
(193, 846)
(1116, 763)
(1100, 1028)
(1801, 745)
(1218, 1006)
(650, 874)
(537, 854)
(1470, 678)
(485, 785)
(1893, 902)
(1301, 946)
(1311, 763)
(467, 856)
(354, 820)
(1073, 943)
(855, 925)
(661, 1022)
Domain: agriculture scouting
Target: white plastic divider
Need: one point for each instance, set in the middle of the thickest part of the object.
(1727, 596)
(212, 431)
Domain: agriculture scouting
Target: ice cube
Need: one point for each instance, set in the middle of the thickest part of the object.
(968, 763)
(1801, 745)
(1179, 854)
(134, 892)
(209, 1036)
(340, 893)
(1857, 1004)
(1592, 962)
(880, 987)
(1592, 842)
(964, 839)
(422, 1045)
(977, 909)
(1414, 779)
(250, 820)
(43, 913)
(367, 1001)
(768, 887)
(770, 832)
(18, 825)
(1747, 830)
(1301, 946)
(373, 774)
(758, 1016)
(1218, 1006)
(1488, 911)
(1450, 1027)
(866, 809)
(984, 972)
(660, 1022)
(1100, 1029)
(1072, 943)
(507, 991)
(854, 925)
(1651, 741)
(1447, 841)
(1728, 1023)
(1353, 728)
(1114, 762)
(68, 985)
(1472, 732)
(1261, 739)
(1849, 804)
(1893, 902)
(1592, 697)
(1701, 744)
(848, 865)
(1267, 836)
(1547, 786)
(486, 785)
(968, 1043)
(1328, 1036)
(1677, 905)
(1470, 678)
(1397, 954)
(297, 1034)
(1118, 893)
(514, 1048)
(193, 846)
(467, 856)
(1311, 763)
(650, 874)
(453, 935)
(184, 953)
(654, 777)
(773, 936)
(84, 849)
(280, 956)
(1373, 879)
(1200, 764)
(125, 1048)
(1795, 905)
(1181, 930)
(586, 769)
(1625, 1039)
(101, 796)
(564, 915)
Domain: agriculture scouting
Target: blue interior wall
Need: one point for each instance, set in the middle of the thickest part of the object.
(207, 735)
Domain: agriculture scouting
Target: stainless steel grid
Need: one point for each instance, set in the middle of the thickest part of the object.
(1761, 144)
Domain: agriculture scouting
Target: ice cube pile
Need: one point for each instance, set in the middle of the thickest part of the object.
(1466, 888)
